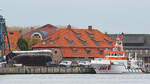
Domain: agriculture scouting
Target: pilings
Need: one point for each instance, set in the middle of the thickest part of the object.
(46, 70)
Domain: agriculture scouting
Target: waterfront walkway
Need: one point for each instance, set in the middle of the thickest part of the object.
(46, 70)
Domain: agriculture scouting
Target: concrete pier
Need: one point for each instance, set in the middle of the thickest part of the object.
(46, 70)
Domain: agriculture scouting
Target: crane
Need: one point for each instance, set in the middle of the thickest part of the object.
(4, 41)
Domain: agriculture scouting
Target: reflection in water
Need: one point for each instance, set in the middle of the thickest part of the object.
(76, 79)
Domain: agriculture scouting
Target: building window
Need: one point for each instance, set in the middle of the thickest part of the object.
(36, 36)
(110, 43)
(75, 51)
(51, 42)
(11, 33)
(43, 42)
(127, 50)
(97, 43)
(101, 52)
(84, 43)
(140, 51)
(91, 35)
(78, 35)
(71, 42)
(146, 51)
(88, 51)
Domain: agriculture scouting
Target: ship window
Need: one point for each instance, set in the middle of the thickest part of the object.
(88, 51)
(121, 54)
(101, 52)
(118, 54)
(107, 54)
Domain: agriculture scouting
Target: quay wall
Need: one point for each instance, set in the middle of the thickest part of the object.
(147, 69)
(46, 70)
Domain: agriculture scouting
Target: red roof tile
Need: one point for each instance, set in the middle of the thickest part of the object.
(68, 40)
(63, 36)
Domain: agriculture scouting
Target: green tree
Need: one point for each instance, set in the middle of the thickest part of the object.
(22, 43)
(29, 43)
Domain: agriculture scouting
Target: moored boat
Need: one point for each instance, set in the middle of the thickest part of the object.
(115, 60)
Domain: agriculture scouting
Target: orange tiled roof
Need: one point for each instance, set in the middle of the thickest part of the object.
(62, 37)
(68, 38)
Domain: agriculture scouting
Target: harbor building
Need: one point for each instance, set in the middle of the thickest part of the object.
(136, 44)
(80, 44)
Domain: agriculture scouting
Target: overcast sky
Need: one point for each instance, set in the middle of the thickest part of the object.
(113, 16)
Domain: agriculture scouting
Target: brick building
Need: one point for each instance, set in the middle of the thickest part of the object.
(40, 32)
(68, 43)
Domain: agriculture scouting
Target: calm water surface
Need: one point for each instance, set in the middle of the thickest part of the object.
(76, 79)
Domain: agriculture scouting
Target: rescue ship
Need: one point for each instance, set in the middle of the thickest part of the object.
(114, 61)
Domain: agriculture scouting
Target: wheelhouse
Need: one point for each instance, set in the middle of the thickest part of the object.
(114, 55)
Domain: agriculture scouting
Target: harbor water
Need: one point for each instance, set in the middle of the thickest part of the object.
(75, 79)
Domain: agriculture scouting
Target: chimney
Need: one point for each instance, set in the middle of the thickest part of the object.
(69, 26)
(106, 33)
(90, 28)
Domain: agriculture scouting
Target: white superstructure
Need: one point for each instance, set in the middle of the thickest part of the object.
(114, 61)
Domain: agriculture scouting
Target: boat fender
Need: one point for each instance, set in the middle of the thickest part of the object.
(143, 70)
(111, 63)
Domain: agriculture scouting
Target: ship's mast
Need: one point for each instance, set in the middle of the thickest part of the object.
(119, 43)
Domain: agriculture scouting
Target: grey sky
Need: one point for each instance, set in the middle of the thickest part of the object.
(114, 16)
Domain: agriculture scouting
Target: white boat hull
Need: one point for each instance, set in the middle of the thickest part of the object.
(108, 68)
